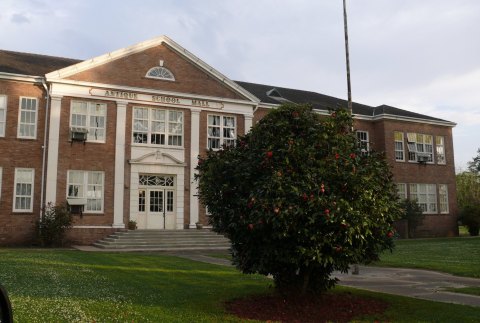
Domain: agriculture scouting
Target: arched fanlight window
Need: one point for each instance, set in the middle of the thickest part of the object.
(160, 73)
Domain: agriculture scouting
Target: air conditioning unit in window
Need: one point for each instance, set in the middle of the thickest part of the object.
(423, 158)
(78, 134)
(76, 205)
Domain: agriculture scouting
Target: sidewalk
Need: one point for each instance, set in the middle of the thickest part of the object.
(422, 284)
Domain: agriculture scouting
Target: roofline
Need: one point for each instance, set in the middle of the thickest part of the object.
(377, 117)
(102, 59)
(22, 77)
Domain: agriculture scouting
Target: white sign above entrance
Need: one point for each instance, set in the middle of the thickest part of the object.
(167, 99)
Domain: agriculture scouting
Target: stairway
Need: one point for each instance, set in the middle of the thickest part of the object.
(164, 240)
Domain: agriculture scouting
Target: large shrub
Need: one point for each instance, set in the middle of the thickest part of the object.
(53, 224)
(298, 199)
(413, 213)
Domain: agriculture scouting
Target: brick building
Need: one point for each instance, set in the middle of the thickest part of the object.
(119, 135)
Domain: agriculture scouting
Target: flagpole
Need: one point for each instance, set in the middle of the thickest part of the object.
(347, 57)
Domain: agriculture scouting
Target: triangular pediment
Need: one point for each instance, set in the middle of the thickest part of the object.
(158, 64)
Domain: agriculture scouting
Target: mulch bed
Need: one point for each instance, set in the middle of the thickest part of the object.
(330, 307)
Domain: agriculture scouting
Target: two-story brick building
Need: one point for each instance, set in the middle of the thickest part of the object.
(119, 134)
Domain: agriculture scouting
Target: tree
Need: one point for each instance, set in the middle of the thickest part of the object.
(298, 199)
(468, 200)
(474, 165)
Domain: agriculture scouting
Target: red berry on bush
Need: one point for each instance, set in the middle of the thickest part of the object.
(250, 226)
(390, 234)
(353, 156)
(269, 154)
(327, 211)
(337, 156)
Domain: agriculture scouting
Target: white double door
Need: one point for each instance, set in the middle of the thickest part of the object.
(156, 202)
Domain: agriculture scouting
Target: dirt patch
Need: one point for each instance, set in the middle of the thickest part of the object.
(337, 307)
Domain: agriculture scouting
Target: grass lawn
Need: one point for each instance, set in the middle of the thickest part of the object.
(458, 256)
(73, 286)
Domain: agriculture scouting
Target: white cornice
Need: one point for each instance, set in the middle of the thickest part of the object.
(21, 77)
(102, 59)
(143, 90)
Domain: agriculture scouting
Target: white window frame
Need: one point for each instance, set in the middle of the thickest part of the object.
(443, 199)
(440, 149)
(397, 149)
(402, 190)
(90, 113)
(82, 187)
(221, 138)
(417, 144)
(426, 196)
(364, 140)
(171, 136)
(21, 110)
(3, 109)
(32, 190)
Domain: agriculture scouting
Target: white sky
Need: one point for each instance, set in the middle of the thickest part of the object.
(422, 56)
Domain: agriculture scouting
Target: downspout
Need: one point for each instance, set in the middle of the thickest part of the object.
(44, 147)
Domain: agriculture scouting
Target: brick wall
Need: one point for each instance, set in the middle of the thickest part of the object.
(131, 71)
(18, 228)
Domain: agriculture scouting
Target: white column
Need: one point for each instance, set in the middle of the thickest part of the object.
(194, 152)
(119, 181)
(53, 141)
(248, 122)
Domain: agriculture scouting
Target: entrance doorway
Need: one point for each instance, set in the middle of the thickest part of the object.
(156, 201)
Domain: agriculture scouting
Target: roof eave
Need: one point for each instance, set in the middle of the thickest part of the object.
(21, 77)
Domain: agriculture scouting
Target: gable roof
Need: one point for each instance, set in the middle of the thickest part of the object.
(32, 64)
(325, 102)
(40, 65)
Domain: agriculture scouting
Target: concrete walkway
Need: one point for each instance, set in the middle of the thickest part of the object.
(422, 284)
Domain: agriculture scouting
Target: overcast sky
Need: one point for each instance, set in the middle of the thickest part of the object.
(422, 56)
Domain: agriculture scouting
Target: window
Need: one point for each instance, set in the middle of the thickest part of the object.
(425, 195)
(420, 146)
(3, 114)
(90, 116)
(443, 198)
(221, 131)
(440, 147)
(157, 127)
(362, 137)
(27, 118)
(23, 197)
(161, 73)
(402, 190)
(88, 185)
(399, 150)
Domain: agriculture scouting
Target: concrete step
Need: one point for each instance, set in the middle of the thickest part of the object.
(166, 240)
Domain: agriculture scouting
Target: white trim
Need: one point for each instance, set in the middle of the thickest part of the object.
(119, 181)
(20, 117)
(4, 122)
(21, 77)
(103, 59)
(248, 122)
(53, 143)
(158, 153)
(93, 85)
(194, 153)
(15, 190)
